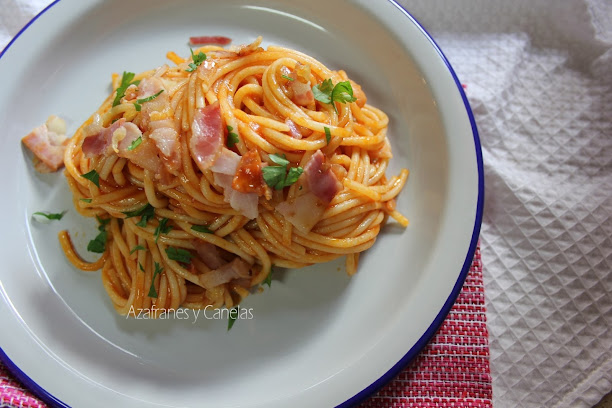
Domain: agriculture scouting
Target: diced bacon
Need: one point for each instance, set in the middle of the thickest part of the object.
(245, 203)
(321, 180)
(208, 253)
(207, 136)
(293, 130)
(302, 93)
(100, 143)
(123, 137)
(214, 40)
(249, 176)
(236, 269)
(149, 87)
(226, 163)
(146, 156)
(47, 142)
(166, 138)
(304, 211)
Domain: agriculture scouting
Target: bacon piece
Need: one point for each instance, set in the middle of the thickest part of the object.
(321, 186)
(236, 269)
(213, 39)
(208, 253)
(100, 143)
(207, 136)
(303, 212)
(48, 143)
(249, 176)
(321, 180)
(302, 92)
(293, 130)
(166, 138)
(224, 169)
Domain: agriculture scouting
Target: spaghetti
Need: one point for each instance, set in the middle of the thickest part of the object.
(205, 175)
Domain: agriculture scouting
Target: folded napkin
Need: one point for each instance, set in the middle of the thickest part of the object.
(539, 77)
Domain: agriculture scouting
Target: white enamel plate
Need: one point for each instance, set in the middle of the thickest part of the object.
(316, 338)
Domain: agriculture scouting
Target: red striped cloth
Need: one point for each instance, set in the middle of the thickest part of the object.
(451, 372)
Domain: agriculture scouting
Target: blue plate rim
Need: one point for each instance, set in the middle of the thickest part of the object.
(52, 401)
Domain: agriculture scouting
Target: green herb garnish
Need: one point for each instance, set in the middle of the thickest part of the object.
(126, 81)
(179, 255)
(162, 228)
(135, 143)
(288, 78)
(146, 213)
(140, 266)
(158, 270)
(232, 138)
(326, 92)
(51, 216)
(138, 102)
(137, 248)
(232, 316)
(277, 176)
(327, 134)
(197, 60)
(85, 200)
(202, 228)
(98, 244)
(268, 280)
(92, 176)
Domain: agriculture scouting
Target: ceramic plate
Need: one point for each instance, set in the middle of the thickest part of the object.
(317, 337)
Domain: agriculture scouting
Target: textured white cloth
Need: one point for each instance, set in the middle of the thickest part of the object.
(539, 79)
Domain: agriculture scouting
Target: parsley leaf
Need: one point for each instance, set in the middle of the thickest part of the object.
(147, 99)
(326, 92)
(85, 200)
(343, 93)
(98, 244)
(327, 134)
(232, 138)
(146, 213)
(51, 216)
(232, 316)
(103, 222)
(137, 248)
(141, 267)
(126, 81)
(179, 255)
(202, 228)
(92, 176)
(197, 60)
(268, 280)
(288, 78)
(277, 176)
(152, 291)
(162, 228)
(135, 143)
(323, 91)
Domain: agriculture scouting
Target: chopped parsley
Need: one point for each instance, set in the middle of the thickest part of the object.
(50, 216)
(135, 143)
(140, 266)
(137, 248)
(268, 280)
(145, 213)
(327, 134)
(179, 255)
(162, 228)
(277, 176)
(138, 102)
(232, 316)
(202, 228)
(326, 92)
(288, 78)
(85, 200)
(126, 81)
(92, 176)
(98, 244)
(197, 60)
(232, 138)
(158, 270)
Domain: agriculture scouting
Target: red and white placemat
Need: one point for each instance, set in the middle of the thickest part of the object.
(452, 370)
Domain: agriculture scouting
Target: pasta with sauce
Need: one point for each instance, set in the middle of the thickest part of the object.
(206, 174)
